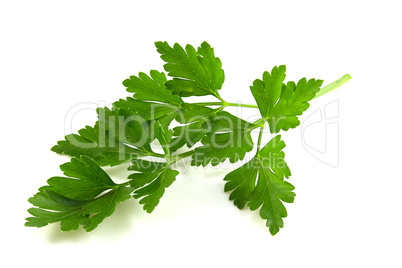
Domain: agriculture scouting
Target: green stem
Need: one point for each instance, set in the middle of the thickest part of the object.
(328, 88)
(260, 138)
(219, 98)
(241, 105)
(334, 85)
(260, 122)
(209, 103)
(156, 155)
(224, 103)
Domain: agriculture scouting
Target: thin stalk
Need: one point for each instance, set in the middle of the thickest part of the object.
(334, 85)
(219, 98)
(209, 103)
(241, 105)
(328, 88)
(226, 104)
(260, 138)
(260, 122)
(155, 155)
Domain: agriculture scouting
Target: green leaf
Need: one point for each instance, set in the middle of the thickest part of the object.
(154, 190)
(152, 178)
(86, 180)
(127, 127)
(151, 88)
(196, 73)
(119, 135)
(189, 134)
(147, 110)
(151, 181)
(198, 120)
(71, 213)
(242, 182)
(53, 208)
(267, 92)
(281, 103)
(164, 135)
(260, 184)
(229, 137)
(104, 206)
(86, 199)
(90, 143)
(293, 102)
(190, 113)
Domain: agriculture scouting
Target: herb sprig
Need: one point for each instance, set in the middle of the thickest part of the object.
(132, 129)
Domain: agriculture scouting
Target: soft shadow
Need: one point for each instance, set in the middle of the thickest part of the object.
(56, 236)
(120, 222)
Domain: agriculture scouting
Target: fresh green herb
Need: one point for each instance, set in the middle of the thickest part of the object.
(134, 127)
(77, 201)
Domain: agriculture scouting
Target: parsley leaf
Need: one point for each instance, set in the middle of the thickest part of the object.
(153, 177)
(151, 88)
(197, 120)
(118, 136)
(104, 206)
(147, 110)
(281, 103)
(85, 180)
(87, 199)
(196, 73)
(269, 190)
(150, 183)
(229, 137)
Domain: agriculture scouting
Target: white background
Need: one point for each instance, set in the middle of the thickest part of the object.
(57, 54)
